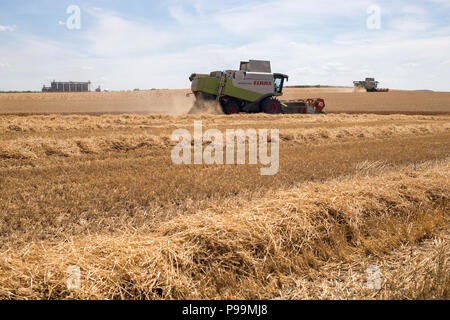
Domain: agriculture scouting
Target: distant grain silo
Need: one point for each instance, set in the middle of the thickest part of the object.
(70, 86)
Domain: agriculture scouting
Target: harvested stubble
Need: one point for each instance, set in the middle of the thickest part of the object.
(413, 271)
(33, 148)
(257, 250)
(22, 148)
(320, 134)
(54, 123)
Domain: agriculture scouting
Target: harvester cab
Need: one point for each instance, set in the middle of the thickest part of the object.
(251, 89)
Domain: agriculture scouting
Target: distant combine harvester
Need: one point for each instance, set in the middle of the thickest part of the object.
(68, 87)
(370, 85)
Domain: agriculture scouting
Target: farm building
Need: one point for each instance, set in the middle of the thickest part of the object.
(68, 87)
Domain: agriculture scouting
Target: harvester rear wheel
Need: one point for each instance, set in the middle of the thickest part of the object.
(231, 107)
(271, 105)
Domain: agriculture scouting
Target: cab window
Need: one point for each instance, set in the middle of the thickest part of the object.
(278, 84)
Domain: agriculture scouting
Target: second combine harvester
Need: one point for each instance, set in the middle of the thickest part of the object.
(251, 89)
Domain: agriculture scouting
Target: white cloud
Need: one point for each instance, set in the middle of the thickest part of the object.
(285, 16)
(7, 28)
(180, 15)
(442, 2)
(407, 25)
(333, 67)
(114, 36)
(411, 65)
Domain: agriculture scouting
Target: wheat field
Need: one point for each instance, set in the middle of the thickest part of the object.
(100, 191)
(179, 102)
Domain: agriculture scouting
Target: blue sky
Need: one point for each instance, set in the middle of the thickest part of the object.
(157, 44)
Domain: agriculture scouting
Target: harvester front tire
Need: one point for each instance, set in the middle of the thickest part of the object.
(231, 107)
(271, 106)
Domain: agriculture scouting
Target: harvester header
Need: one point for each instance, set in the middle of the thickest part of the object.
(251, 89)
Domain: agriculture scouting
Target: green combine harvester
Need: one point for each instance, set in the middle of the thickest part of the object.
(370, 85)
(251, 89)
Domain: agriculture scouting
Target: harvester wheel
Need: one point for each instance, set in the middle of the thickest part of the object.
(231, 107)
(319, 105)
(271, 105)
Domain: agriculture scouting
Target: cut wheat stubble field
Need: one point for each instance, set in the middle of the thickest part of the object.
(101, 192)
